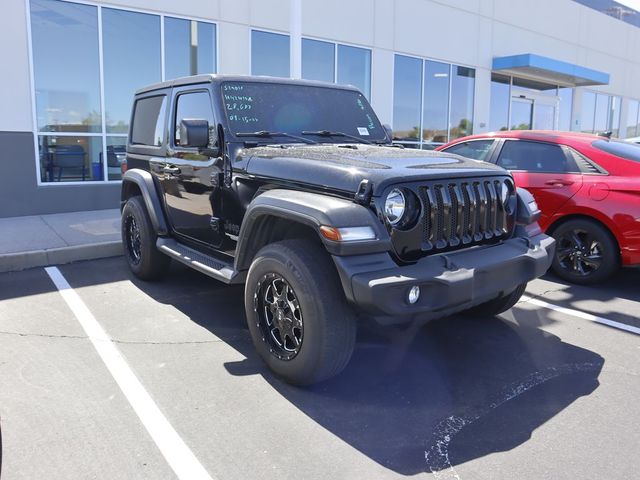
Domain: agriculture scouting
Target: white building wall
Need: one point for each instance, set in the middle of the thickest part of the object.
(466, 32)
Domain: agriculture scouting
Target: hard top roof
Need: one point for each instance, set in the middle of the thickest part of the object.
(216, 79)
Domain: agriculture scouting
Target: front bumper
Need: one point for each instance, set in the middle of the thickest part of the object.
(449, 282)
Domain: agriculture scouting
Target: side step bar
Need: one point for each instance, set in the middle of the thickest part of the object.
(213, 267)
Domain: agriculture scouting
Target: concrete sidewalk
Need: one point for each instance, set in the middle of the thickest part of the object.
(41, 240)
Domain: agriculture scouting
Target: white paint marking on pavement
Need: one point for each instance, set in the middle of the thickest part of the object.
(180, 458)
(583, 315)
(437, 454)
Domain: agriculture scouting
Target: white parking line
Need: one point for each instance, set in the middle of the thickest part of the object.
(180, 458)
(579, 314)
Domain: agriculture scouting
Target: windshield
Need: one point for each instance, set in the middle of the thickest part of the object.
(292, 109)
(628, 150)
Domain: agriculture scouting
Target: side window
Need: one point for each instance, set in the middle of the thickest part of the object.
(148, 121)
(476, 149)
(193, 105)
(535, 157)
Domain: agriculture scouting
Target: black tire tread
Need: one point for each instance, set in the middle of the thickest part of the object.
(321, 279)
(153, 264)
(609, 265)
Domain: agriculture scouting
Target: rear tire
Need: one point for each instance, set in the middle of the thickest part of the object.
(498, 305)
(139, 242)
(586, 252)
(293, 288)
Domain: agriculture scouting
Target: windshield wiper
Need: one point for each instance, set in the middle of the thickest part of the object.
(329, 133)
(268, 134)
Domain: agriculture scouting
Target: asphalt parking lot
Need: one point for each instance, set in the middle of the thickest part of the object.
(539, 392)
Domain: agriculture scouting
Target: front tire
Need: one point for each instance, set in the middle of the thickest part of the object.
(139, 241)
(586, 252)
(298, 317)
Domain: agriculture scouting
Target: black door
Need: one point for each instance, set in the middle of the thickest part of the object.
(185, 174)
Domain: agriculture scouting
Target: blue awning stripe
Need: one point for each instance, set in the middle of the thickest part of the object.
(552, 65)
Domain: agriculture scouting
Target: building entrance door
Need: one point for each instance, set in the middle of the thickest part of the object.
(532, 111)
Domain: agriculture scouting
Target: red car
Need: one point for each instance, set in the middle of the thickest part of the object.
(587, 187)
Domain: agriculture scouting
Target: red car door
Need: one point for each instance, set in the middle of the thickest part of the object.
(545, 170)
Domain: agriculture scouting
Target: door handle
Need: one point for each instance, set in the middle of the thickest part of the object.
(171, 170)
(558, 183)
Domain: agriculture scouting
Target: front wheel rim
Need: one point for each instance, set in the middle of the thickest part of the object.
(278, 316)
(579, 252)
(134, 242)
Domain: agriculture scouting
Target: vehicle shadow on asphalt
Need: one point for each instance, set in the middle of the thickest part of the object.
(414, 399)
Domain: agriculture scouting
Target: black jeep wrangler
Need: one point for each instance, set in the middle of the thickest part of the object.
(295, 189)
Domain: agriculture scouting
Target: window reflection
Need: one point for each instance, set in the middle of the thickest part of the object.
(116, 154)
(354, 68)
(632, 119)
(269, 54)
(189, 47)
(500, 99)
(318, 60)
(588, 112)
(566, 103)
(66, 66)
(407, 97)
(463, 83)
(70, 159)
(131, 44)
(436, 101)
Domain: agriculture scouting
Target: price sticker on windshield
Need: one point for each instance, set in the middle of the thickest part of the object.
(364, 131)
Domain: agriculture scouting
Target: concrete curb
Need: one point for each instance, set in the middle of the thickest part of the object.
(12, 262)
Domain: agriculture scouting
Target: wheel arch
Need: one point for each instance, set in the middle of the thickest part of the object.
(281, 214)
(582, 216)
(140, 182)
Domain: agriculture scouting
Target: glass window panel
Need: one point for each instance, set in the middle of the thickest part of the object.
(148, 125)
(436, 101)
(407, 97)
(269, 54)
(535, 157)
(70, 159)
(189, 47)
(588, 112)
(116, 154)
(632, 118)
(195, 105)
(500, 98)
(354, 68)
(601, 122)
(131, 53)
(318, 60)
(615, 116)
(66, 66)
(476, 149)
(566, 102)
(463, 83)
(521, 114)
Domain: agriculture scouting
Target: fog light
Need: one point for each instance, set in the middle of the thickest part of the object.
(414, 294)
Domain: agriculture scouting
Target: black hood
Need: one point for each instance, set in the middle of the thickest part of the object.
(343, 167)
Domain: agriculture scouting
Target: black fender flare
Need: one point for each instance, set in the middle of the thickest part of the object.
(144, 181)
(312, 210)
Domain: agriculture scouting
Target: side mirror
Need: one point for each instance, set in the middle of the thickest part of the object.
(389, 130)
(194, 133)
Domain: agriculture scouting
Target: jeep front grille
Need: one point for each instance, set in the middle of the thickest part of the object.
(458, 213)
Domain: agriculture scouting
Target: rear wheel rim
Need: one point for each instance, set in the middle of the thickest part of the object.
(579, 252)
(278, 316)
(134, 242)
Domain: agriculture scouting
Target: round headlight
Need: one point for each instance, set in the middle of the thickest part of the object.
(394, 206)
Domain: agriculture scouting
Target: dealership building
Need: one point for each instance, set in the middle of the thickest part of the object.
(434, 70)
